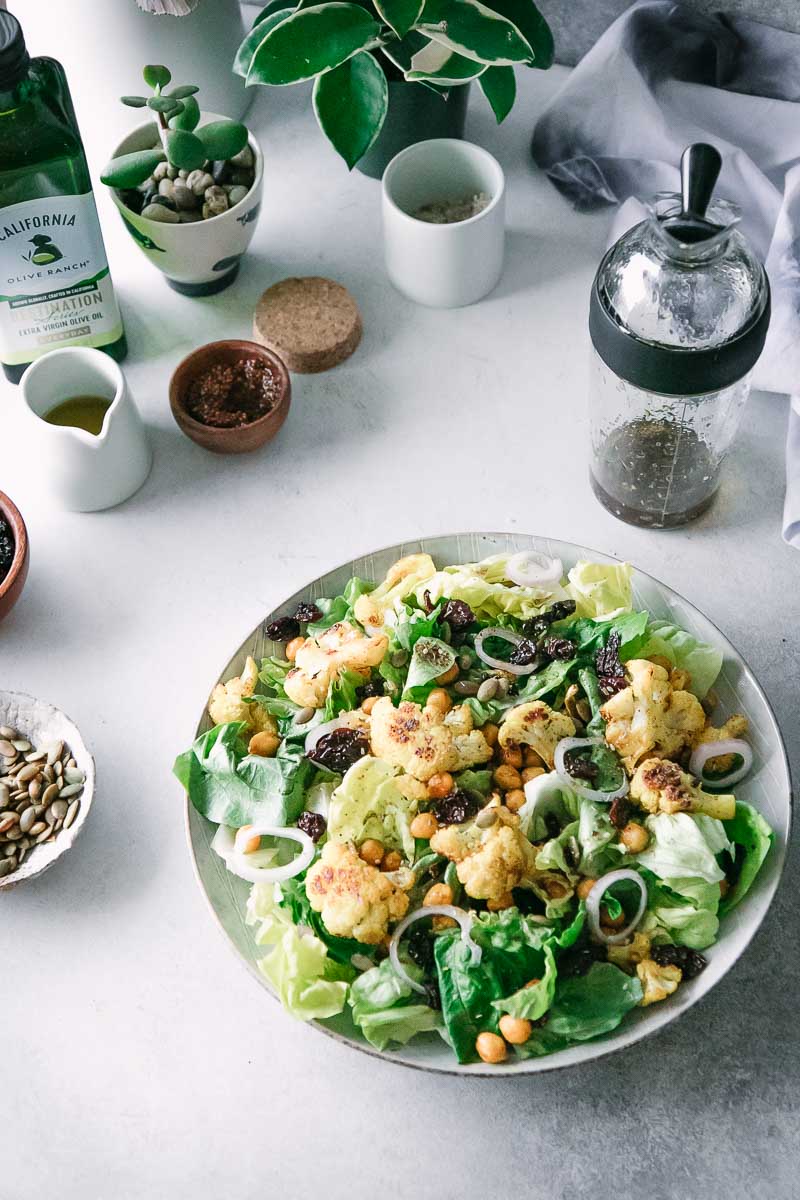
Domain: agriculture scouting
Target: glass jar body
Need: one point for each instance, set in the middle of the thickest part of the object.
(656, 459)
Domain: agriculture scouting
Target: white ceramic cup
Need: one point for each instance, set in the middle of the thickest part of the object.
(443, 266)
(83, 472)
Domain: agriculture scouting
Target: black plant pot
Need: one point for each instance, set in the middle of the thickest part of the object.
(415, 114)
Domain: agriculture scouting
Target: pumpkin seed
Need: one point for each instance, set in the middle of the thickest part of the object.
(50, 816)
(35, 788)
(14, 833)
(6, 749)
(7, 732)
(50, 793)
(302, 718)
(59, 809)
(7, 865)
(4, 795)
(21, 744)
(71, 789)
(27, 772)
(8, 850)
(38, 829)
(35, 756)
(465, 687)
(488, 689)
(54, 752)
(44, 836)
(75, 775)
(27, 819)
(72, 813)
(486, 819)
(7, 821)
(48, 773)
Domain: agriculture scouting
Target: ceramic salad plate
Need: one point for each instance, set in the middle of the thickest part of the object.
(589, 935)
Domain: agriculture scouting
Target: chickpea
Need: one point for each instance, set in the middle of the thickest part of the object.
(265, 745)
(490, 1047)
(584, 887)
(507, 778)
(371, 851)
(439, 893)
(556, 888)
(635, 837)
(439, 699)
(610, 923)
(448, 676)
(515, 1030)
(512, 756)
(532, 759)
(424, 826)
(532, 982)
(293, 646)
(440, 785)
(252, 844)
(530, 773)
(710, 702)
(505, 901)
(491, 732)
(369, 704)
(658, 660)
(392, 861)
(724, 887)
(514, 800)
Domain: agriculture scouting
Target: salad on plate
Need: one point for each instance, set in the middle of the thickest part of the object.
(487, 801)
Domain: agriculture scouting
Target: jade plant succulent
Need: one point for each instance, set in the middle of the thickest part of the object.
(182, 145)
(349, 48)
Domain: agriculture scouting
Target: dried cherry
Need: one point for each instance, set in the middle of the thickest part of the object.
(339, 749)
(307, 611)
(313, 824)
(283, 629)
(690, 962)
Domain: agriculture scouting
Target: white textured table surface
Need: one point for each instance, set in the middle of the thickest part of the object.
(138, 1059)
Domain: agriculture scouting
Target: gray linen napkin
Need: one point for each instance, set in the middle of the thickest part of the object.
(662, 76)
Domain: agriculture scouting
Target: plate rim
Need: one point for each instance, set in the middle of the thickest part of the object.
(595, 1049)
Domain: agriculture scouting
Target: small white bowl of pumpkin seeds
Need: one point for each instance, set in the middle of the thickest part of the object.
(47, 778)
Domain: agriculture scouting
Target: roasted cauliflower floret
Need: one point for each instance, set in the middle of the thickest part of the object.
(735, 727)
(536, 725)
(659, 785)
(354, 899)
(227, 703)
(628, 957)
(425, 742)
(658, 982)
(401, 579)
(650, 715)
(489, 862)
(320, 659)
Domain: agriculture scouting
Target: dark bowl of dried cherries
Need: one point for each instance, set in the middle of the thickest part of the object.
(14, 555)
(230, 397)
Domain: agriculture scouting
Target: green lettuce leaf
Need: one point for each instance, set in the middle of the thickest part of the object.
(703, 662)
(486, 589)
(369, 804)
(430, 658)
(474, 779)
(684, 846)
(533, 1002)
(601, 589)
(748, 830)
(512, 954)
(293, 899)
(340, 608)
(232, 787)
(309, 985)
(386, 1009)
(686, 912)
(584, 1007)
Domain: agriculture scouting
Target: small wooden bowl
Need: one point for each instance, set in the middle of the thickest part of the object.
(241, 438)
(11, 587)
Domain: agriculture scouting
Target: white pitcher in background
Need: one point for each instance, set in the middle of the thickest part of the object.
(82, 471)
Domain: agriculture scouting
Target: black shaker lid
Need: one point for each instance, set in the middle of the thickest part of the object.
(677, 370)
(14, 56)
(673, 370)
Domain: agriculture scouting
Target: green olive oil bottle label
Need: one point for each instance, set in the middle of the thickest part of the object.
(55, 288)
(54, 280)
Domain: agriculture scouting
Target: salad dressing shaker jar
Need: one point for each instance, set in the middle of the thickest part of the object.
(679, 313)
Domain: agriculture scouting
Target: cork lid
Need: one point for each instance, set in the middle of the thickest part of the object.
(311, 322)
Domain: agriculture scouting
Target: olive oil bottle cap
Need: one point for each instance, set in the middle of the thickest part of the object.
(14, 57)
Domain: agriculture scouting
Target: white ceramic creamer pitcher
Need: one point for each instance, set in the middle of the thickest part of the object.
(84, 472)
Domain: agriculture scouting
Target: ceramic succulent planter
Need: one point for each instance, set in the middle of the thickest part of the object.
(201, 258)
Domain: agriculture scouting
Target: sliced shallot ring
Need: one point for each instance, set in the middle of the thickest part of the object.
(562, 750)
(236, 859)
(460, 915)
(529, 569)
(716, 750)
(596, 895)
(507, 635)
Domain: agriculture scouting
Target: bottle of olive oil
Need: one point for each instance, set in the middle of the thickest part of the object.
(55, 287)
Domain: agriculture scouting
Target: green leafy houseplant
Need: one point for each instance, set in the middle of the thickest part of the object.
(349, 48)
(182, 144)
